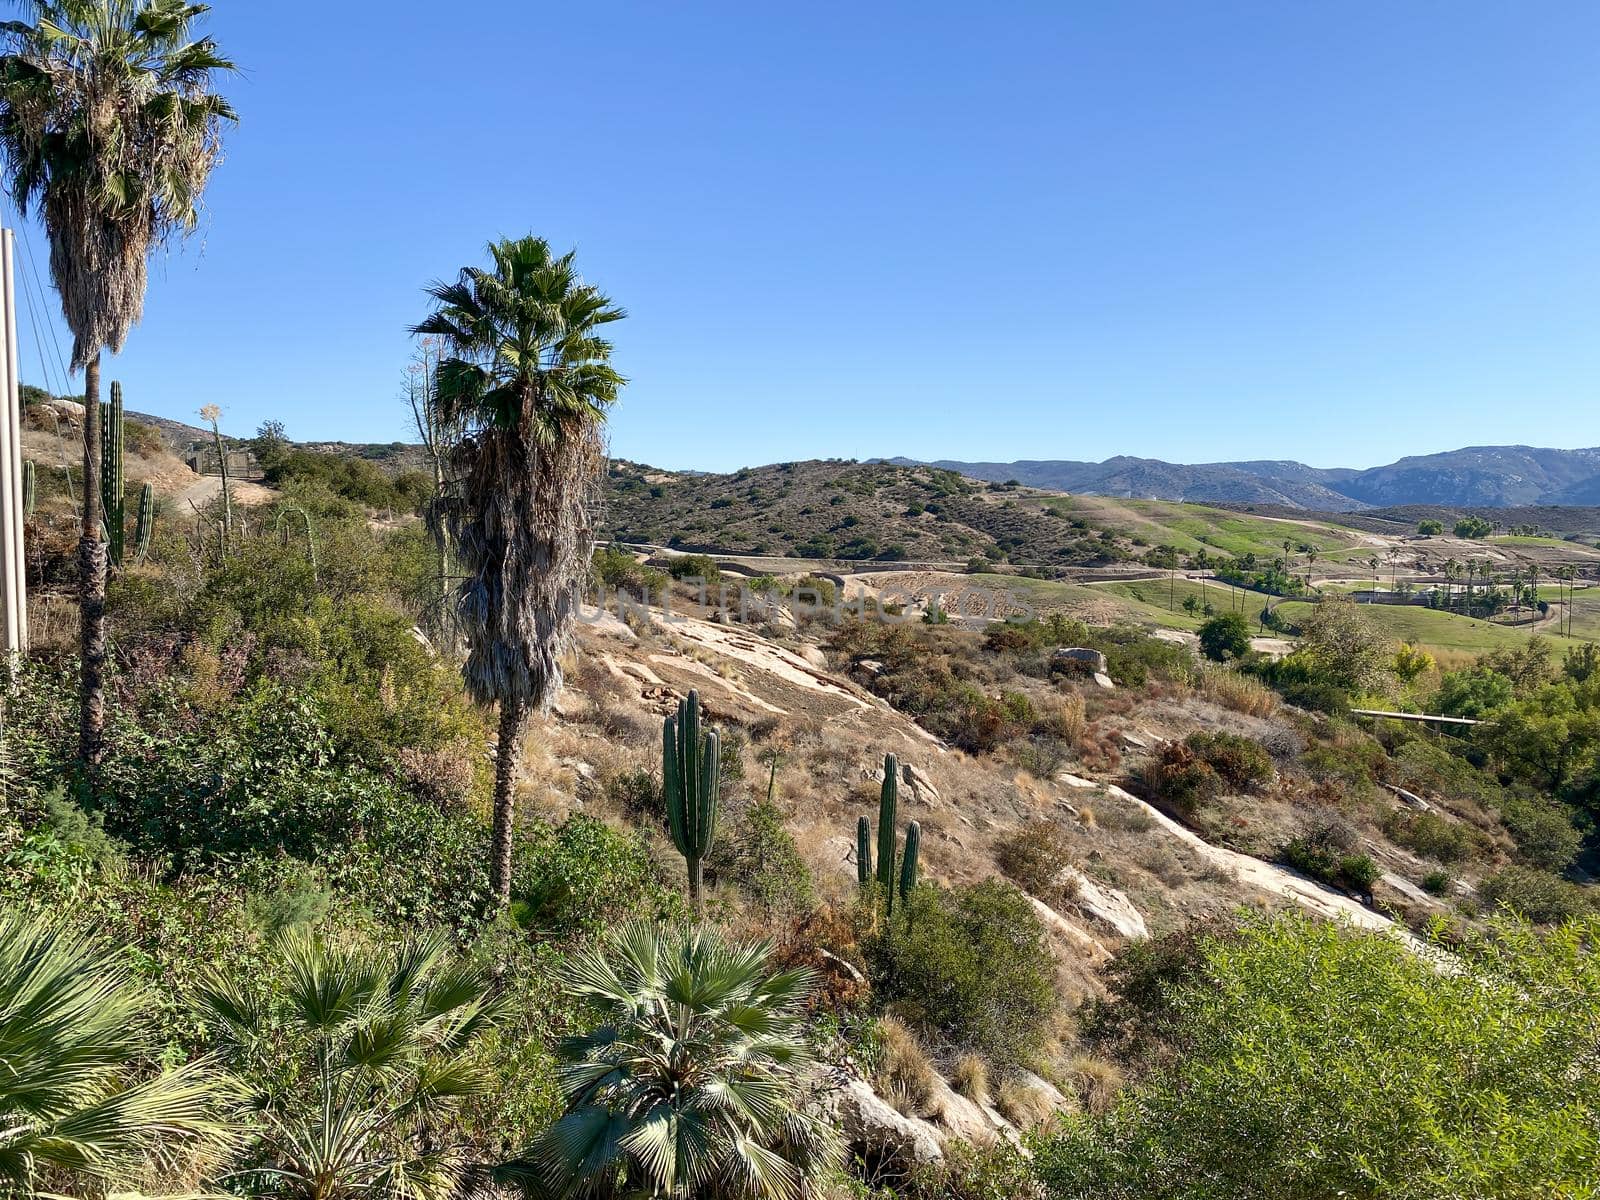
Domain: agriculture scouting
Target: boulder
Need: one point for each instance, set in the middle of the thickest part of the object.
(1107, 906)
(1102, 680)
(917, 780)
(1410, 799)
(869, 1122)
(813, 655)
(1091, 662)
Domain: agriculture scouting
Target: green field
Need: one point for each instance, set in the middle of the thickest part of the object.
(1431, 628)
(1195, 527)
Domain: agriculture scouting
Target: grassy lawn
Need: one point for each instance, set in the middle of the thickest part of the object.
(1193, 527)
(1432, 628)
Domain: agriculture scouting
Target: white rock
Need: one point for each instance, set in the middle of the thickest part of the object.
(1103, 681)
(1108, 906)
(866, 1119)
(919, 783)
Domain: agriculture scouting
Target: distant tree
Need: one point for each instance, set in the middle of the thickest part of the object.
(109, 128)
(1473, 527)
(1430, 527)
(1411, 661)
(529, 378)
(271, 433)
(1225, 636)
(1345, 647)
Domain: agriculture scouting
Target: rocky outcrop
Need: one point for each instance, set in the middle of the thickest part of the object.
(868, 1121)
(1106, 905)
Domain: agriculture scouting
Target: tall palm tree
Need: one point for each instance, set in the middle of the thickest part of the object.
(388, 1043)
(72, 1036)
(109, 127)
(691, 1084)
(529, 381)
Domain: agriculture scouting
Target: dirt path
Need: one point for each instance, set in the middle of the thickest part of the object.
(207, 488)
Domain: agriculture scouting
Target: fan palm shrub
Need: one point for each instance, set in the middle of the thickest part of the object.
(74, 1103)
(109, 127)
(692, 1083)
(527, 377)
(372, 1051)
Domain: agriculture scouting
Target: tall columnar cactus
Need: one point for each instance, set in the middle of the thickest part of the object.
(863, 851)
(691, 776)
(146, 523)
(908, 860)
(30, 488)
(113, 485)
(888, 856)
(888, 802)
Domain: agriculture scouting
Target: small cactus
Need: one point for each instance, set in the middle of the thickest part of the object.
(863, 851)
(691, 776)
(113, 484)
(146, 523)
(908, 863)
(30, 488)
(890, 863)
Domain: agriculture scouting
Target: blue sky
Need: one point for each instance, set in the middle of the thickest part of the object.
(1195, 231)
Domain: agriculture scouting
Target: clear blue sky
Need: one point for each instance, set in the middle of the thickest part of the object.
(1196, 231)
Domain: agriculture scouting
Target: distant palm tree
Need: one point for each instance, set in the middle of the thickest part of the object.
(387, 1038)
(691, 1084)
(72, 1041)
(1374, 564)
(107, 125)
(529, 380)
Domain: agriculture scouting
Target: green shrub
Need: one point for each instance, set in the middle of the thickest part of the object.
(758, 855)
(694, 566)
(1436, 883)
(1241, 763)
(1225, 636)
(1431, 834)
(1347, 1065)
(1537, 896)
(1543, 831)
(1329, 852)
(969, 967)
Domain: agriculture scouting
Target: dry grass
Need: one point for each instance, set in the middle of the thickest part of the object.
(1239, 692)
(1094, 1081)
(971, 1078)
(906, 1078)
(1024, 1106)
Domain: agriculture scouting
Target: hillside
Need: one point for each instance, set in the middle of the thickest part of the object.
(1486, 476)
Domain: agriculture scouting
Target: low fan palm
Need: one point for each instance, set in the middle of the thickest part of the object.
(379, 1045)
(692, 1084)
(528, 379)
(72, 1038)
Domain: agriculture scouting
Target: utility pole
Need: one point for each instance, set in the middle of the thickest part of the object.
(13, 578)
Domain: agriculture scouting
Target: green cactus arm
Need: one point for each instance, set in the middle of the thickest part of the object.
(863, 851)
(688, 768)
(710, 793)
(671, 780)
(145, 526)
(908, 865)
(30, 488)
(888, 801)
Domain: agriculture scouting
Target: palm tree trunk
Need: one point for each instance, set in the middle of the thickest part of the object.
(91, 584)
(508, 750)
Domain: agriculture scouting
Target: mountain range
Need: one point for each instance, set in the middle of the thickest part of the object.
(1474, 476)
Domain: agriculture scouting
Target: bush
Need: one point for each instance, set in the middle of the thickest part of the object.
(1241, 763)
(1035, 856)
(1431, 834)
(1336, 1057)
(1225, 636)
(1436, 883)
(1537, 896)
(1543, 831)
(1328, 852)
(694, 566)
(970, 968)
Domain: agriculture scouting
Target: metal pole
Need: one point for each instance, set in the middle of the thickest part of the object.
(11, 584)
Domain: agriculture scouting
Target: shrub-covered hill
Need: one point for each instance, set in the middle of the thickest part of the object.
(849, 510)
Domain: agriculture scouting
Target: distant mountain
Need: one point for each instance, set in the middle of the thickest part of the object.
(1480, 476)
